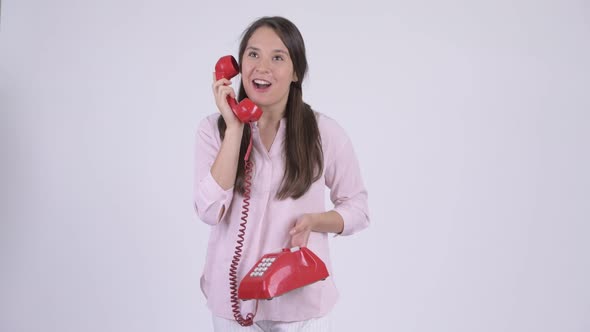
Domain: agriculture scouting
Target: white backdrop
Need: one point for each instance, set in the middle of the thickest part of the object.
(470, 119)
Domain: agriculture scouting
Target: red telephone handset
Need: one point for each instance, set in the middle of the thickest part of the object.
(245, 110)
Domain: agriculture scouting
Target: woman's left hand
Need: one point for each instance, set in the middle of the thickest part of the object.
(300, 232)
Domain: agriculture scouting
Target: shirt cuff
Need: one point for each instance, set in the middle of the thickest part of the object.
(352, 223)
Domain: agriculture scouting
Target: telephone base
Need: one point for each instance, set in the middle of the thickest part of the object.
(278, 273)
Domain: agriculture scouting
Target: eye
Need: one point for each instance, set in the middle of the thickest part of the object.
(278, 58)
(252, 54)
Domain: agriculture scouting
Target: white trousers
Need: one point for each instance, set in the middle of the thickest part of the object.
(321, 324)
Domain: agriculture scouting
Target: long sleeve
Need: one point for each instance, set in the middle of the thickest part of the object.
(209, 198)
(343, 177)
(270, 219)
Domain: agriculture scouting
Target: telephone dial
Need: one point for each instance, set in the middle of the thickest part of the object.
(275, 273)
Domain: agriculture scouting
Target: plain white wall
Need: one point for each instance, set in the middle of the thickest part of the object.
(470, 119)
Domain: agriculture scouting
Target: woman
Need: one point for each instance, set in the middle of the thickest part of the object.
(296, 154)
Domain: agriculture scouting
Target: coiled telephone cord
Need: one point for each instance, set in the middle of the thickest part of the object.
(233, 270)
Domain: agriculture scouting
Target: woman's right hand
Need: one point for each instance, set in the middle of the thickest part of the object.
(221, 90)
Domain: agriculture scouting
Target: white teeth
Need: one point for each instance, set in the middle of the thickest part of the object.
(261, 82)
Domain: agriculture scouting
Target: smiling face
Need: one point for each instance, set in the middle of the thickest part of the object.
(267, 70)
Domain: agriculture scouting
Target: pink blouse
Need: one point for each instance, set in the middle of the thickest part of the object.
(271, 219)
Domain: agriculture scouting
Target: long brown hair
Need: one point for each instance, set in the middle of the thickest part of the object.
(302, 150)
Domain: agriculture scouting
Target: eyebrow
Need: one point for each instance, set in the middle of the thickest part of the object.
(278, 50)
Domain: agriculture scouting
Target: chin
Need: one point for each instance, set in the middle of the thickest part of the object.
(260, 102)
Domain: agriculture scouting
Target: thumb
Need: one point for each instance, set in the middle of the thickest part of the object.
(296, 229)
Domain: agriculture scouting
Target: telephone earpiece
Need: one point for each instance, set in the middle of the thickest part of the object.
(245, 110)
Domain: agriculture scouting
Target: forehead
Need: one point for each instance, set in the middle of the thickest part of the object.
(266, 38)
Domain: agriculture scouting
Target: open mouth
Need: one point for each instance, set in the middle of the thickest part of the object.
(261, 84)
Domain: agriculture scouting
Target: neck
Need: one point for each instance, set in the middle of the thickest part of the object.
(270, 118)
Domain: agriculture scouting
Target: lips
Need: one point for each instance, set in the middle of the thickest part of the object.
(261, 84)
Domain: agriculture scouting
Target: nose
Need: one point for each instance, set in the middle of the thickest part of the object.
(263, 66)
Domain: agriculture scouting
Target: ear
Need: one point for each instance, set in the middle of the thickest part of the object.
(295, 77)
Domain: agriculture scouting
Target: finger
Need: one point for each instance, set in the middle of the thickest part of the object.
(225, 91)
(296, 241)
(221, 82)
(295, 230)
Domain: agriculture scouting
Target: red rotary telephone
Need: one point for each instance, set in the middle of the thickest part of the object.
(245, 110)
(278, 273)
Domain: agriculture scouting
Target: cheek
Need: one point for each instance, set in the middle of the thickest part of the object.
(245, 74)
(287, 77)
(246, 69)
